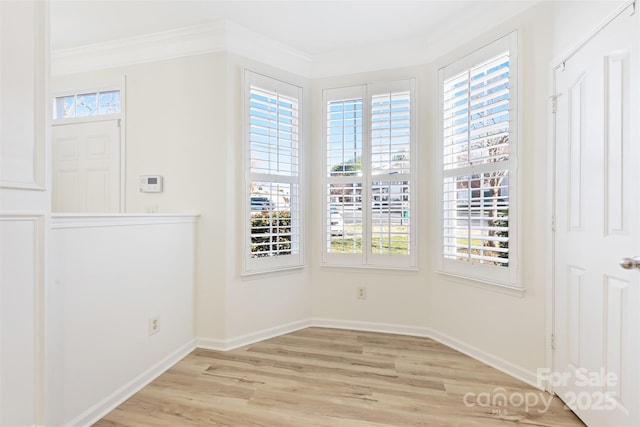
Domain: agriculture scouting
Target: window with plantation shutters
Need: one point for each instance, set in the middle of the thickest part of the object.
(369, 183)
(477, 153)
(273, 203)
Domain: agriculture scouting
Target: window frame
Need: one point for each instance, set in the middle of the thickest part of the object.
(368, 259)
(257, 265)
(505, 277)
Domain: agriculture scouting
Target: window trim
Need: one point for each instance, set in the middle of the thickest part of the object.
(502, 277)
(252, 266)
(367, 259)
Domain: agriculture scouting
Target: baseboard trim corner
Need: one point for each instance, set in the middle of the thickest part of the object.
(492, 360)
(102, 408)
(251, 338)
(509, 368)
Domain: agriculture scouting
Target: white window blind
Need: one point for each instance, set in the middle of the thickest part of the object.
(479, 114)
(369, 178)
(273, 174)
(391, 172)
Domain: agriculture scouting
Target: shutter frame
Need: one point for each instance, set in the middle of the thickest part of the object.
(486, 217)
(273, 202)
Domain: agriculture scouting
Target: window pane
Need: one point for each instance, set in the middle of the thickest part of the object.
(273, 205)
(344, 138)
(87, 105)
(476, 218)
(390, 217)
(476, 114)
(109, 102)
(273, 133)
(390, 133)
(344, 218)
(65, 107)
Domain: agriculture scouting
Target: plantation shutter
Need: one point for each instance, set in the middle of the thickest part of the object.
(391, 156)
(273, 173)
(478, 108)
(344, 175)
(368, 176)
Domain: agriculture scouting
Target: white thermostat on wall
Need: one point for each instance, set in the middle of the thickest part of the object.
(151, 183)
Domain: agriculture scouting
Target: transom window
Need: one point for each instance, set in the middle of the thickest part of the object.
(89, 104)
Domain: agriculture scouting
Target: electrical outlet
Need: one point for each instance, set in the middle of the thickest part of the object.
(151, 208)
(362, 292)
(154, 325)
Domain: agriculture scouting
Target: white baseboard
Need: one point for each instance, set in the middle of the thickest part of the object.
(242, 340)
(492, 360)
(487, 358)
(102, 408)
(389, 328)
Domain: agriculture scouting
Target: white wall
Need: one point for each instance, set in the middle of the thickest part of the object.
(109, 276)
(175, 127)
(184, 121)
(265, 304)
(573, 20)
(493, 325)
(24, 206)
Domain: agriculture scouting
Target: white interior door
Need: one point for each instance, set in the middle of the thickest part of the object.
(86, 167)
(596, 301)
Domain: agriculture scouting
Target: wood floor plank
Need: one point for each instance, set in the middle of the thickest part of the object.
(337, 378)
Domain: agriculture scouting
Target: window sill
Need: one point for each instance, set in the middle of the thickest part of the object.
(267, 271)
(369, 267)
(502, 288)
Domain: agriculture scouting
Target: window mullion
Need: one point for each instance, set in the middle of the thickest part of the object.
(367, 217)
(469, 192)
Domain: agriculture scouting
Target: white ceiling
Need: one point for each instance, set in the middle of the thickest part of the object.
(310, 26)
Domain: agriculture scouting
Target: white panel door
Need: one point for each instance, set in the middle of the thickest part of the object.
(86, 167)
(596, 322)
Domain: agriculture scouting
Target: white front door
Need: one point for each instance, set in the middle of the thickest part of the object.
(86, 167)
(596, 301)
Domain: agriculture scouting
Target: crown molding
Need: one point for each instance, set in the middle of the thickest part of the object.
(217, 36)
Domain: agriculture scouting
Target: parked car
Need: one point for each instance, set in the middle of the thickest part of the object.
(386, 205)
(260, 203)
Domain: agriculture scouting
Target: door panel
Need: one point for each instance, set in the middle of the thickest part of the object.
(596, 323)
(86, 167)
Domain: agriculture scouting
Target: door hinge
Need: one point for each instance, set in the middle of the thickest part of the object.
(553, 342)
(554, 104)
(553, 223)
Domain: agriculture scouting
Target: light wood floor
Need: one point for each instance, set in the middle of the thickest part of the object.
(330, 377)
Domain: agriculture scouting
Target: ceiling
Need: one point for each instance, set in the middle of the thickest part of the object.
(310, 26)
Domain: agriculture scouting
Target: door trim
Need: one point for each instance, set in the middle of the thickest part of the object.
(117, 84)
(557, 64)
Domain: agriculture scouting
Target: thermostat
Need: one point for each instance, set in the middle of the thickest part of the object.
(151, 183)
